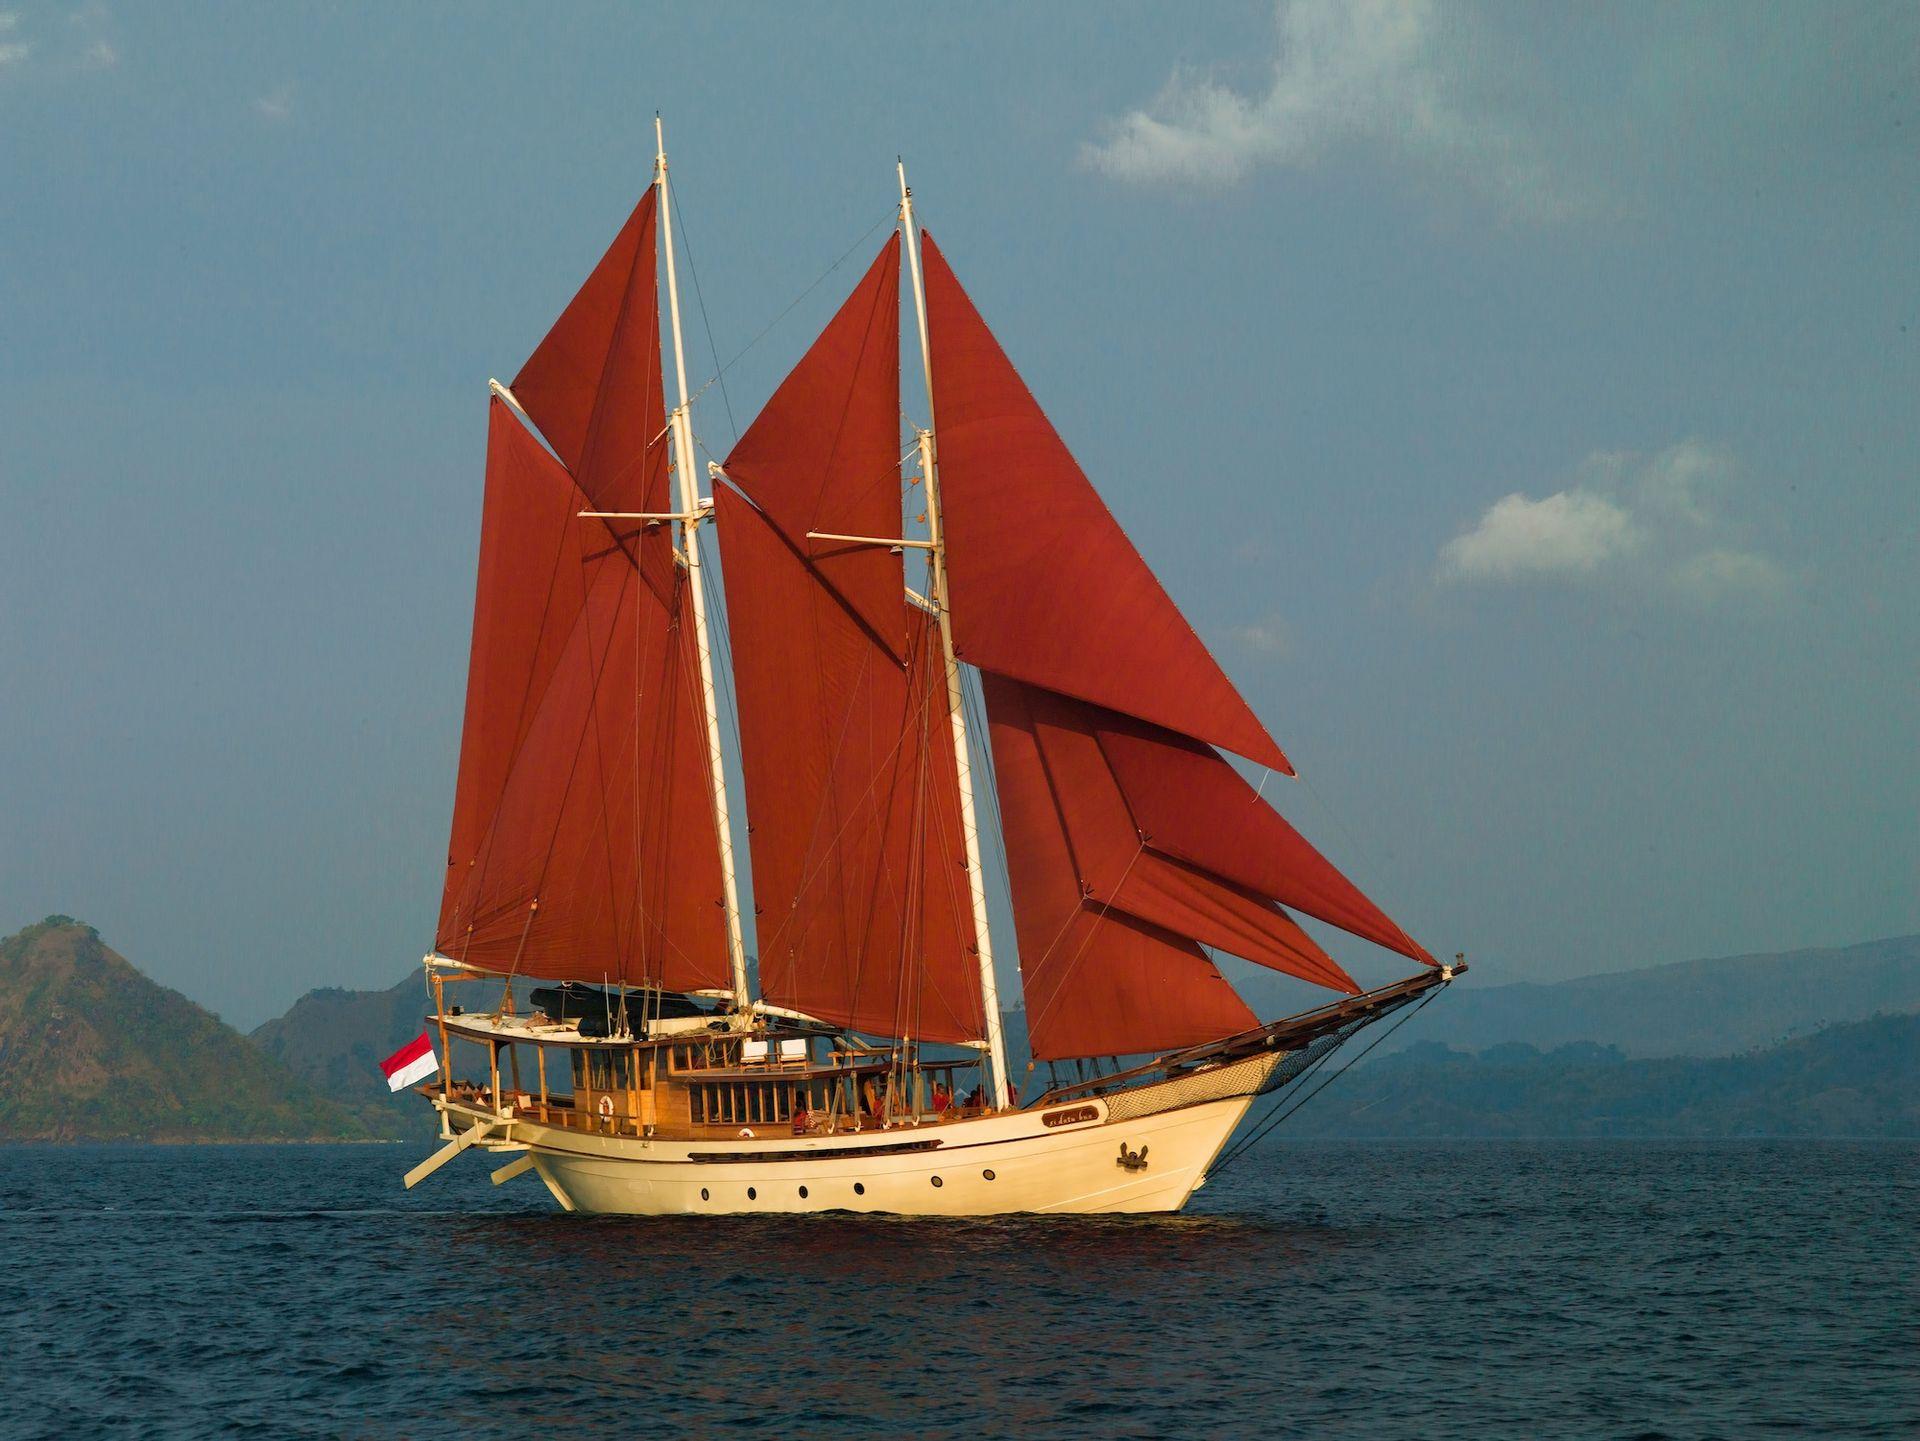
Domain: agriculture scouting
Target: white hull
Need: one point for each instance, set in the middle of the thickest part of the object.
(1142, 1149)
(993, 1165)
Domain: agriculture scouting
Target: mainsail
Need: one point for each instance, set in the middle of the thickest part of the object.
(583, 841)
(858, 859)
(861, 892)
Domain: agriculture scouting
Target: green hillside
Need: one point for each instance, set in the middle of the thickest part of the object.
(90, 1050)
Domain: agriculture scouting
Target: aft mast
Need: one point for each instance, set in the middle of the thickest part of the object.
(956, 706)
(690, 512)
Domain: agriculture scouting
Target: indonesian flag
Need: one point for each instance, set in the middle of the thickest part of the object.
(414, 1061)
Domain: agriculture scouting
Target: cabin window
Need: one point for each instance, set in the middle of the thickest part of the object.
(750, 1103)
(609, 1070)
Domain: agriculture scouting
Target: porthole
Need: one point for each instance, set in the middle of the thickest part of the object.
(987, 1174)
(803, 1193)
(859, 1189)
(752, 1195)
(703, 1194)
(938, 1182)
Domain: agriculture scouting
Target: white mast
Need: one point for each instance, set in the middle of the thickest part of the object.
(956, 706)
(682, 425)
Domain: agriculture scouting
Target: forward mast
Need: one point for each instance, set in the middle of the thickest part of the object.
(691, 511)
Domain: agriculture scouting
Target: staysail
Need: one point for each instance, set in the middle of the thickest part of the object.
(583, 841)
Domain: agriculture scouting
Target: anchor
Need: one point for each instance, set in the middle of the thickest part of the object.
(1132, 1160)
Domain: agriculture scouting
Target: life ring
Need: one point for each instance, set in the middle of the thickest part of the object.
(606, 1105)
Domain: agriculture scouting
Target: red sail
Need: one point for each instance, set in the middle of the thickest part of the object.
(859, 874)
(1191, 804)
(1046, 586)
(824, 455)
(583, 841)
(1098, 982)
(1120, 870)
(593, 386)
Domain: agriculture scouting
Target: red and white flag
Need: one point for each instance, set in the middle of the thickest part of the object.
(414, 1061)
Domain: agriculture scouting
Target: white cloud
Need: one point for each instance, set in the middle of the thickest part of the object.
(1571, 533)
(1380, 73)
(1642, 522)
(1540, 114)
(12, 52)
(84, 45)
(1714, 576)
(276, 105)
(1270, 635)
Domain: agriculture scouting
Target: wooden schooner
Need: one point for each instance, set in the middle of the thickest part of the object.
(592, 845)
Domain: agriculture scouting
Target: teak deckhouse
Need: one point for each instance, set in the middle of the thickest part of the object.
(592, 844)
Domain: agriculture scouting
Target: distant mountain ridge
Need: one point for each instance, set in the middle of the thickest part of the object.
(1857, 1079)
(1715, 1007)
(90, 1049)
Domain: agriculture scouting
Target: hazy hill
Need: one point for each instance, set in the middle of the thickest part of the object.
(1599, 1035)
(90, 1049)
(335, 1039)
(1716, 1007)
(1860, 1079)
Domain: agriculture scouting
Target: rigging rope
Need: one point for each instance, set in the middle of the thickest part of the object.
(1276, 1116)
(771, 325)
(686, 243)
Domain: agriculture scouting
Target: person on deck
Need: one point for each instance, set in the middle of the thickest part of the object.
(942, 1097)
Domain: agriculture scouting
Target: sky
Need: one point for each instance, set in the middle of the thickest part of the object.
(1522, 402)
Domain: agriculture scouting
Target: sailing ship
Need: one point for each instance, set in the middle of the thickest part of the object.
(910, 656)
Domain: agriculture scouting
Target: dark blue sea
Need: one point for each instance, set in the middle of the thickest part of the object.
(1319, 1289)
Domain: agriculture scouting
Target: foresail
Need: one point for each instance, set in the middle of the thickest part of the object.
(1098, 981)
(1116, 865)
(862, 907)
(582, 844)
(824, 454)
(1046, 586)
(1190, 804)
